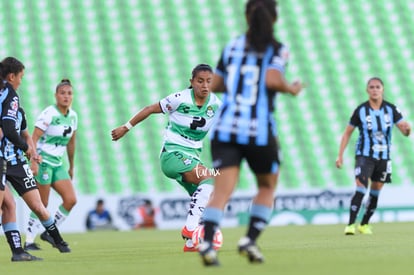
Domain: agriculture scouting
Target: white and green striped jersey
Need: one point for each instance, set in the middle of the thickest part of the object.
(58, 129)
(188, 123)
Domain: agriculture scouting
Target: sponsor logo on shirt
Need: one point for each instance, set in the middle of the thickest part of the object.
(379, 148)
(11, 113)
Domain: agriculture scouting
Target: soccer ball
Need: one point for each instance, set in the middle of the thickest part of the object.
(198, 237)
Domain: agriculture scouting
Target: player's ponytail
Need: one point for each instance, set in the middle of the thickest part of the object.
(1, 77)
(261, 15)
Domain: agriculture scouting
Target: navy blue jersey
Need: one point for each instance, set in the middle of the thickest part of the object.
(11, 153)
(375, 127)
(9, 120)
(246, 116)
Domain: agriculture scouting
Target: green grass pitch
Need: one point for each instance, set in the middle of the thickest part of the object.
(288, 250)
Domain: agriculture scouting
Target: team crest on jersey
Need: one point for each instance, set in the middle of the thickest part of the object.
(210, 111)
(15, 103)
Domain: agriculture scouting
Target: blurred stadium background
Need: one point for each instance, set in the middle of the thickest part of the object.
(122, 55)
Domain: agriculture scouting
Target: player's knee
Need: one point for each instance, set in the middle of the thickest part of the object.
(267, 183)
(362, 180)
(40, 211)
(69, 203)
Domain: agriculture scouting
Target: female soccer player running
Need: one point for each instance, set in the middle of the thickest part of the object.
(250, 72)
(191, 115)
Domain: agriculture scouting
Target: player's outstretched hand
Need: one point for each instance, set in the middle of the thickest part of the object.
(296, 87)
(339, 162)
(34, 166)
(405, 128)
(35, 160)
(119, 132)
(30, 152)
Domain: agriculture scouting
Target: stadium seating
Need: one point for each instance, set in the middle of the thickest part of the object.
(124, 55)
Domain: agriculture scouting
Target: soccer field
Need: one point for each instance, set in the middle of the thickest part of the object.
(288, 250)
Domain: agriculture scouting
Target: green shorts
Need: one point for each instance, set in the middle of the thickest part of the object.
(174, 164)
(49, 174)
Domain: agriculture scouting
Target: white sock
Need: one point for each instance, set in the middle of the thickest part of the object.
(32, 229)
(198, 202)
(60, 215)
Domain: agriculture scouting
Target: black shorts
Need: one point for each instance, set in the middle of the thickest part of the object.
(261, 159)
(21, 178)
(375, 169)
(3, 170)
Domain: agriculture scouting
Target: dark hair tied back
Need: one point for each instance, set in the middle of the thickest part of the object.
(261, 15)
(201, 68)
(376, 78)
(1, 78)
(63, 82)
(10, 65)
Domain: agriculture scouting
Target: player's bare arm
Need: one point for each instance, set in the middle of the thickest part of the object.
(344, 142)
(120, 131)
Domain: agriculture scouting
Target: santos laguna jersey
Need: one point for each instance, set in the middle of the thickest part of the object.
(188, 123)
(58, 129)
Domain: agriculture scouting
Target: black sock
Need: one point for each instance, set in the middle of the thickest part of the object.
(15, 241)
(209, 230)
(54, 233)
(371, 206)
(355, 206)
(256, 227)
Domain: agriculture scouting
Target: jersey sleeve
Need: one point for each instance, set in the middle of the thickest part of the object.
(355, 119)
(75, 123)
(280, 59)
(43, 121)
(170, 103)
(23, 125)
(396, 114)
(9, 118)
(10, 107)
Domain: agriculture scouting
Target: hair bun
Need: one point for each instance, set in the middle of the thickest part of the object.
(63, 82)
